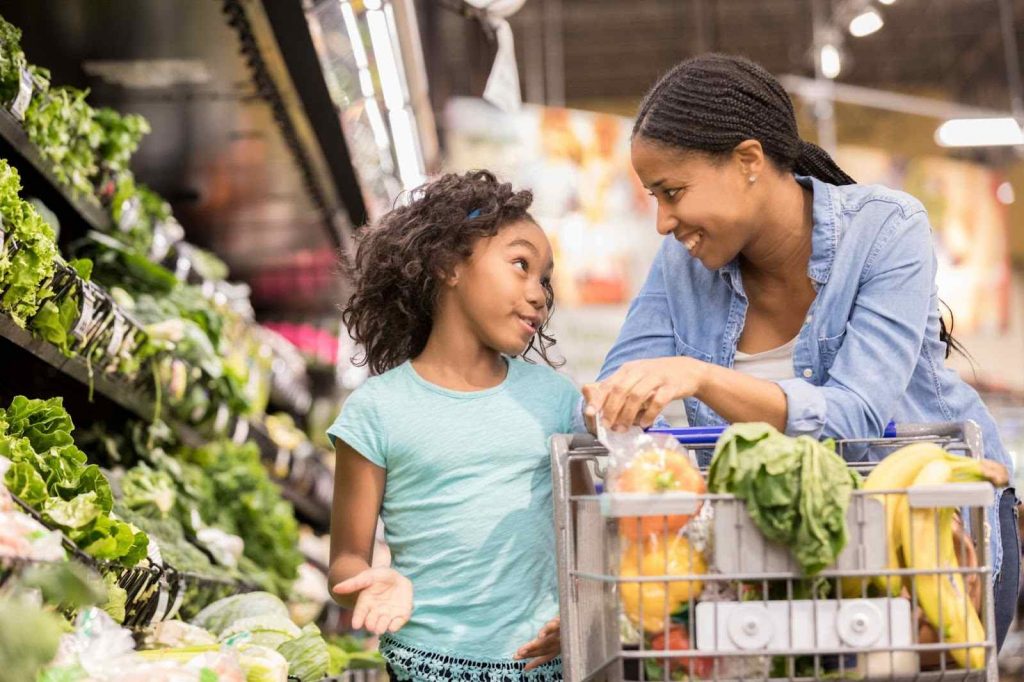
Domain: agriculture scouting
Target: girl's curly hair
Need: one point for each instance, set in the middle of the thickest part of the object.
(401, 260)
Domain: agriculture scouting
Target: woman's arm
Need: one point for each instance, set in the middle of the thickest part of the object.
(883, 343)
(871, 370)
(641, 389)
(358, 492)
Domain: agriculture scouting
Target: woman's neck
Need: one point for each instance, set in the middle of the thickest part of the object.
(782, 248)
(456, 359)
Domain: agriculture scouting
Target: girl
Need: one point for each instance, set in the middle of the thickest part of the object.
(449, 442)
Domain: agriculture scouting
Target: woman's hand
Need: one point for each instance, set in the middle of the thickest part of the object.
(545, 648)
(639, 391)
(384, 603)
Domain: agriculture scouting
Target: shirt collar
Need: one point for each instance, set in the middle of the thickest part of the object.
(823, 236)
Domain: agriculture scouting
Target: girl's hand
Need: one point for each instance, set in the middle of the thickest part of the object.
(638, 392)
(545, 648)
(384, 603)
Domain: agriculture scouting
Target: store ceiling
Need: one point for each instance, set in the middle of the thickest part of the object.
(216, 152)
(614, 50)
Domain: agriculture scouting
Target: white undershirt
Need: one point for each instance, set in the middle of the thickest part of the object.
(771, 365)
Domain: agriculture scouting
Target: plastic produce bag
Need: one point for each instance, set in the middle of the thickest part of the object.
(641, 463)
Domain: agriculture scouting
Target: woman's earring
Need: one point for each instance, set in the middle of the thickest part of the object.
(752, 179)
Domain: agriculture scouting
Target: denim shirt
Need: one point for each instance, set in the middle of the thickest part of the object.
(869, 349)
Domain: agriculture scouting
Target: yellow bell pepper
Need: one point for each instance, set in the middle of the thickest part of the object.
(656, 559)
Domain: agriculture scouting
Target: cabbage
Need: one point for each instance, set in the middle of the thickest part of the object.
(268, 631)
(221, 614)
(307, 655)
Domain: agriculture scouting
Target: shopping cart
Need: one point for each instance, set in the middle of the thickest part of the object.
(755, 615)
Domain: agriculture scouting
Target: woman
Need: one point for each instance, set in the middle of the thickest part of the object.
(787, 294)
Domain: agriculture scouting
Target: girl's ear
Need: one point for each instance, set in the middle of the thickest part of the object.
(450, 278)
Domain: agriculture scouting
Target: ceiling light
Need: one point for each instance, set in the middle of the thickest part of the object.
(830, 61)
(979, 132)
(887, 2)
(866, 23)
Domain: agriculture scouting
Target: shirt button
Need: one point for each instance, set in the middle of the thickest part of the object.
(808, 373)
(808, 319)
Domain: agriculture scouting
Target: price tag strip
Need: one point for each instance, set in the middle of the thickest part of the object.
(24, 97)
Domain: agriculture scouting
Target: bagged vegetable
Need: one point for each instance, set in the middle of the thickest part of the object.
(647, 604)
(648, 464)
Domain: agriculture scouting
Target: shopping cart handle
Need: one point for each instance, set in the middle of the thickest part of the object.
(708, 435)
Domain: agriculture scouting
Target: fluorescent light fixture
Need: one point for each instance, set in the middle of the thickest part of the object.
(407, 148)
(387, 66)
(365, 83)
(866, 23)
(380, 130)
(830, 60)
(979, 132)
(356, 40)
(1004, 193)
(887, 2)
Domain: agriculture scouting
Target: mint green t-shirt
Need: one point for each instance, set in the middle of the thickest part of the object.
(467, 505)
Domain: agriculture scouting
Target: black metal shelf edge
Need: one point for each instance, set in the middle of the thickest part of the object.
(38, 179)
(127, 397)
(134, 402)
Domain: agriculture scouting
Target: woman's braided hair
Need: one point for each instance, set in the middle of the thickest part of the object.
(402, 259)
(713, 102)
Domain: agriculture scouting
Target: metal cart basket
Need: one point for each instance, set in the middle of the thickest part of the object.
(747, 611)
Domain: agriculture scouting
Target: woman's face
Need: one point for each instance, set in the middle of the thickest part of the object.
(708, 204)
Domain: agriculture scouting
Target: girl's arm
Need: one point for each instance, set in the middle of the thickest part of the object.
(358, 492)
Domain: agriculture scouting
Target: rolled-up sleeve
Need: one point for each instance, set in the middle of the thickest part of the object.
(874, 365)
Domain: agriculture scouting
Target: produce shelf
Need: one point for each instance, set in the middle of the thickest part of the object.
(122, 393)
(309, 492)
(75, 214)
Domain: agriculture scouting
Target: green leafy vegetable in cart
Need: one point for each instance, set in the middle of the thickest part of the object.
(796, 490)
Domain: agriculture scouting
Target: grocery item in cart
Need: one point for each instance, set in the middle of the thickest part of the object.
(641, 463)
(645, 604)
(796, 490)
(926, 539)
(759, 614)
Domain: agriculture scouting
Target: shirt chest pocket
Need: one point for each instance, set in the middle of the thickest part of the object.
(828, 348)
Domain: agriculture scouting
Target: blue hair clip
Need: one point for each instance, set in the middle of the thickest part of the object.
(475, 213)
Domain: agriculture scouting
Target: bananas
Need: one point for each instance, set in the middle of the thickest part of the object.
(897, 472)
(943, 598)
(922, 539)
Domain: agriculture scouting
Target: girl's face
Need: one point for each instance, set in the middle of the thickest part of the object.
(709, 205)
(502, 289)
